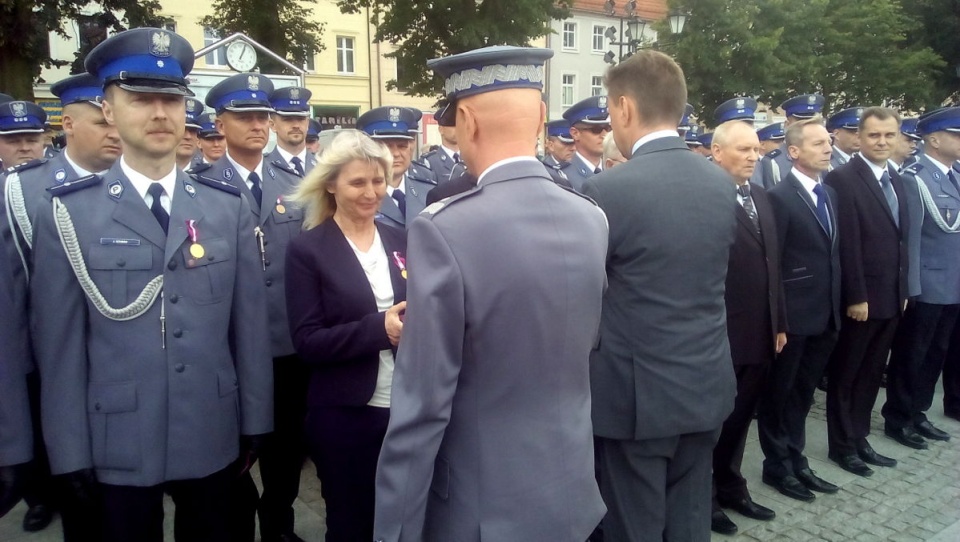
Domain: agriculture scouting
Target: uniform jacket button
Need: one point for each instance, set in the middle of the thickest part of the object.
(96, 406)
(174, 298)
(269, 282)
(121, 262)
(266, 263)
(179, 368)
(178, 333)
(172, 265)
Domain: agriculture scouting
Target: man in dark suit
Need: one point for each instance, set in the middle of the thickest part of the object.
(810, 270)
(923, 337)
(661, 374)
(755, 323)
(873, 226)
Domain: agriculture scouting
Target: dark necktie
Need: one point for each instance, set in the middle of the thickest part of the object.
(297, 165)
(456, 157)
(598, 170)
(891, 197)
(255, 188)
(822, 214)
(155, 191)
(952, 175)
(401, 201)
(744, 191)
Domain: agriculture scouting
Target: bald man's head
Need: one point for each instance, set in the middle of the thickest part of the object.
(736, 148)
(492, 126)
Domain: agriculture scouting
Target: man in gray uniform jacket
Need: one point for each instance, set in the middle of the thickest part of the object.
(661, 374)
(148, 314)
(489, 435)
(290, 120)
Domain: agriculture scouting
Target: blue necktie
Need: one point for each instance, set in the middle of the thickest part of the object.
(255, 188)
(156, 190)
(890, 196)
(401, 201)
(456, 157)
(822, 214)
(297, 165)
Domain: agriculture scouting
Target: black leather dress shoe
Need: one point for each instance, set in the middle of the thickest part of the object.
(750, 509)
(813, 482)
(852, 463)
(906, 436)
(721, 524)
(871, 457)
(37, 518)
(791, 487)
(928, 431)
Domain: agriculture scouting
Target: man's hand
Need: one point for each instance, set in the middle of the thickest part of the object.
(250, 446)
(394, 322)
(781, 341)
(858, 312)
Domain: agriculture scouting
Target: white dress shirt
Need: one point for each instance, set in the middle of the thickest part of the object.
(244, 172)
(141, 183)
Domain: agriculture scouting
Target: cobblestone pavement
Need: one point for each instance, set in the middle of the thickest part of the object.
(919, 500)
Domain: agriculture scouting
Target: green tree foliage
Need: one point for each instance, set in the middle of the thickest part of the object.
(940, 30)
(425, 29)
(285, 27)
(855, 52)
(25, 26)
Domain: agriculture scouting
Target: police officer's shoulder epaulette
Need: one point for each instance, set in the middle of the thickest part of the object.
(438, 206)
(199, 168)
(415, 173)
(74, 185)
(27, 165)
(913, 169)
(219, 185)
(284, 166)
(422, 160)
(574, 192)
(773, 154)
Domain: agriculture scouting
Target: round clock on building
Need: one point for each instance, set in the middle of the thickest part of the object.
(241, 56)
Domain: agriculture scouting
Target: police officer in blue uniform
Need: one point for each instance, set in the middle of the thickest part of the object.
(148, 313)
(410, 182)
(21, 132)
(923, 336)
(705, 148)
(771, 136)
(188, 152)
(290, 120)
(776, 164)
(684, 126)
(313, 137)
(559, 147)
(739, 108)
(589, 123)
(212, 143)
(844, 126)
(447, 155)
(905, 154)
(243, 107)
(692, 139)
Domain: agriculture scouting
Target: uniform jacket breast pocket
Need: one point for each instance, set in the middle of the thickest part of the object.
(114, 425)
(111, 267)
(948, 208)
(209, 277)
(290, 221)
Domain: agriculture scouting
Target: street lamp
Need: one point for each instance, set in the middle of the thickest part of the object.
(632, 37)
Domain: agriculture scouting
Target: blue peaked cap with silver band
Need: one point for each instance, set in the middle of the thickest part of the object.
(848, 119)
(559, 129)
(946, 119)
(314, 129)
(592, 110)
(241, 92)
(685, 119)
(291, 101)
(804, 106)
(771, 132)
(143, 60)
(706, 139)
(194, 110)
(908, 127)
(79, 89)
(208, 127)
(741, 108)
(390, 122)
(488, 69)
(692, 137)
(17, 117)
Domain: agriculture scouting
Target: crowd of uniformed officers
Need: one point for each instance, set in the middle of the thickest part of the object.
(178, 305)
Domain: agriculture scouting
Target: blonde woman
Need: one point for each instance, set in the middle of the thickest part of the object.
(346, 291)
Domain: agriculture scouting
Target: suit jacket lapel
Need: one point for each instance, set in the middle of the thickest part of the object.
(132, 211)
(812, 206)
(745, 221)
(865, 173)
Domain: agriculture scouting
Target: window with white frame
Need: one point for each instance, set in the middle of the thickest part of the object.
(569, 35)
(345, 54)
(598, 31)
(217, 57)
(308, 63)
(568, 85)
(596, 85)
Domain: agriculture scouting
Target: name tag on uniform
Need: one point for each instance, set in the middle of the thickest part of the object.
(121, 242)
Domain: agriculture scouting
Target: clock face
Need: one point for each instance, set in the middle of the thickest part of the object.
(241, 56)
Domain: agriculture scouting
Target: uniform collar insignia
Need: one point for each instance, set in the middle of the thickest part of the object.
(115, 189)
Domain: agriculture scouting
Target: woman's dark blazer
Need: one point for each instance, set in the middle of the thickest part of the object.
(334, 321)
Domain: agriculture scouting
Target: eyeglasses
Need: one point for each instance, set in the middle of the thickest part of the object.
(596, 129)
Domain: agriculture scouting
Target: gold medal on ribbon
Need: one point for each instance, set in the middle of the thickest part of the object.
(281, 209)
(196, 250)
(403, 274)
